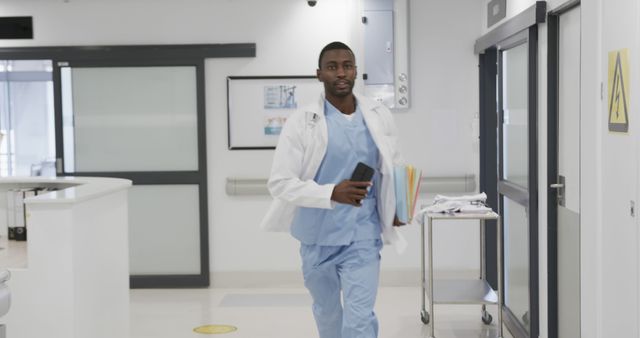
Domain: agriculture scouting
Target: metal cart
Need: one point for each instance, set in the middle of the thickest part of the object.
(462, 291)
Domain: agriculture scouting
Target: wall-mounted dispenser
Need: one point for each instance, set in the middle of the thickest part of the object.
(386, 52)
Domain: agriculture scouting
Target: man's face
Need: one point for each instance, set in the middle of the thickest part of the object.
(337, 72)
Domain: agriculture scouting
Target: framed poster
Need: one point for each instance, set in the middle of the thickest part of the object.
(258, 106)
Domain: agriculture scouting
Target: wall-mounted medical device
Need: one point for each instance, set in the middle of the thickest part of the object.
(386, 52)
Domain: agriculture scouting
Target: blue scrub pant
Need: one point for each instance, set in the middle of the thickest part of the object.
(353, 269)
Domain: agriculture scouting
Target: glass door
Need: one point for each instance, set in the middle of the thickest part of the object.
(145, 122)
(517, 183)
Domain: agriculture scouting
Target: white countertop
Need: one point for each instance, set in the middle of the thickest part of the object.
(70, 189)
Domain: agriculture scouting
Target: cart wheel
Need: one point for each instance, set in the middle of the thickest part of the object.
(424, 316)
(487, 318)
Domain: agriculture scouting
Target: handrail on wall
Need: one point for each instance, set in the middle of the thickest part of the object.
(237, 186)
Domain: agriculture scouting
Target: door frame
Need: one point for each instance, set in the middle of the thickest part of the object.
(488, 49)
(553, 101)
(488, 121)
(196, 177)
(526, 197)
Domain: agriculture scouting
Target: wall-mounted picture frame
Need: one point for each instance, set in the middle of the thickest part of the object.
(258, 106)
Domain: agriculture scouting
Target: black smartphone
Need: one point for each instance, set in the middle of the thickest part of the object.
(362, 173)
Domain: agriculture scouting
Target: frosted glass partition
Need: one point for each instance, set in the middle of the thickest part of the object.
(516, 260)
(164, 228)
(26, 116)
(515, 114)
(33, 137)
(132, 118)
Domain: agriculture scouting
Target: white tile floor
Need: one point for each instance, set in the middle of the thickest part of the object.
(286, 313)
(13, 254)
(276, 312)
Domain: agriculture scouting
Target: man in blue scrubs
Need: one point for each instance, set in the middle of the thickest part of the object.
(340, 223)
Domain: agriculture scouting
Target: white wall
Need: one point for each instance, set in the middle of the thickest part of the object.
(619, 230)
(437, 130)
(610, 262)
(591, 171)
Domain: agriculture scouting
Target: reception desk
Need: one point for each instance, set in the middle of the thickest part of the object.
(73, 281)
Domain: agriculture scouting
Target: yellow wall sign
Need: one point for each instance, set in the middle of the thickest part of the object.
(619, 90)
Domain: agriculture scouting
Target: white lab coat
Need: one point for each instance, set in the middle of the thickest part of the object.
(301, 147)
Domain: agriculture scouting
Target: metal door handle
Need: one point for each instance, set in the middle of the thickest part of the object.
(560, 189)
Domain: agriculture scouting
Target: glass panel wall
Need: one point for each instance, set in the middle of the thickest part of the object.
(164, 225)
(516, 259)
(27, 129)
(514, 107)
(130, 119)
(515, 162)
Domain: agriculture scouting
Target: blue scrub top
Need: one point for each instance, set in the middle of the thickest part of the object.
(349, 142)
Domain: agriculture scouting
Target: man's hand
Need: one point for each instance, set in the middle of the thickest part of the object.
(350, 192)
(396, 222)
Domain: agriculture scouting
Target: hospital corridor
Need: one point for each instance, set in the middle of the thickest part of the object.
(319, 168)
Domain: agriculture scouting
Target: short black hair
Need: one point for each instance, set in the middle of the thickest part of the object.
(333, 46)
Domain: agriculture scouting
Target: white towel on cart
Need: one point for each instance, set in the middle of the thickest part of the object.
(481, 197)
(473, 204)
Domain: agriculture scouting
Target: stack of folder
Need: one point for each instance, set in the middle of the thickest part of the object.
(407, 182)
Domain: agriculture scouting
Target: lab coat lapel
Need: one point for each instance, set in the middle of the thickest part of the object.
(374, 123)
(318, 133)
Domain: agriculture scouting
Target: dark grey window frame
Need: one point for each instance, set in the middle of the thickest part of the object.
(488, 48)
(145, 55)
(488, 155)
(553, 75)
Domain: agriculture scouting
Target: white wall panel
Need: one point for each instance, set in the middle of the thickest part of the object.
(591, 170)
(619, 173)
